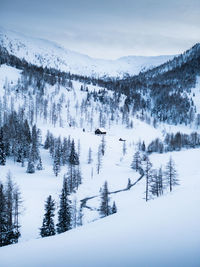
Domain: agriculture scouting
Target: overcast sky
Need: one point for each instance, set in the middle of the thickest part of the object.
(108, 28)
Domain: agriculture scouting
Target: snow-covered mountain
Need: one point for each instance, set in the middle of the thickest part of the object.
(45, 53)
(155, 115)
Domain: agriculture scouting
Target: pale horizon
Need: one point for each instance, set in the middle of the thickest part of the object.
(108, 29)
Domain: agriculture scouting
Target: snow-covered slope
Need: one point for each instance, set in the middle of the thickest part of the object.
(162, 232)
(45, 53)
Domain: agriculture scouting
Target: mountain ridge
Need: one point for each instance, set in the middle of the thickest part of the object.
(49, 54)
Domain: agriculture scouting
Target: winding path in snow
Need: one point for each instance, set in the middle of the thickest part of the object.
(84, 200)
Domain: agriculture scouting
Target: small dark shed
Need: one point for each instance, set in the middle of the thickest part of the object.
(100, 131)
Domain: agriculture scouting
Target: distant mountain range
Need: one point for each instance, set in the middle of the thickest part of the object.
(49, 54)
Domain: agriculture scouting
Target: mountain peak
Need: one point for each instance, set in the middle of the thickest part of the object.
(45, 53)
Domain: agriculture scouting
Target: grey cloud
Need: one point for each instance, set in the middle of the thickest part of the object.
(108, 28)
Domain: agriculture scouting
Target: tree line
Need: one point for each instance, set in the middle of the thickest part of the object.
(174, 142)
(157, 180)
(69, 214)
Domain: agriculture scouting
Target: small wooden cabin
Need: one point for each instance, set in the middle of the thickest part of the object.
(100, 131)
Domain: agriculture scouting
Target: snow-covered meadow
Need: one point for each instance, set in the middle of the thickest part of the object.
(161, 232)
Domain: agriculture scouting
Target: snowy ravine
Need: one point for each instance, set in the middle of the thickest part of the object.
(45, 53)
(162, 232)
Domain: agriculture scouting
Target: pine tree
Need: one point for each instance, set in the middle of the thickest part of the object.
(143, 147)
(3, 217)
(2, 149)
(78, 178)
(161, 184)
(74, 214)
(114, 208)
(80, 217)
(48, 228)
(35, 144)
(56, 162)
(12, 197)
(105, 208)
(103, 145)
(64, 213)
(73, 158)
(136, 163)
(65, 151)
(99, 159)
(31, 165)
(47, 142)
(171, 174)
(154, 183)
(39, 165)
(147, 171)
(16, 206)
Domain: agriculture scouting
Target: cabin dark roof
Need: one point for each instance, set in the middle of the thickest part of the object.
(100, 131)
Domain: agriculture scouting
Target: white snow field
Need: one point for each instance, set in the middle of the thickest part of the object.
(45, 53)
(161, 232)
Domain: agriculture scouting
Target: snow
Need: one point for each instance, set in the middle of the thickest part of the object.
(162, 232)
(45, 53)
(8, 73)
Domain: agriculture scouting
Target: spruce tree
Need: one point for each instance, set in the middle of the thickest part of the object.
(56, 162)
(136, 163)
(47, 142)
(154, 183)
(105, 208)
(31, 165)
(64, 213)
(39, 165)
(99, 159)
(2, 149)
(3, 217)
(48, 228)
(80, 217)
(147, 171)
(114, 208)
(161, 184)
(12, 197)
(35, 144)
(73, 158)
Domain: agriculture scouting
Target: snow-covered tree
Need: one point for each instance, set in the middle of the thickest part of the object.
(147, 171)
(39, 165)
(9, 212)
(2, 149)
(48, 227)
(73, 158)
(3, 217)
(136, 163)
(171, 174)
(64, 213)
(31, 165)
(99, 159)
(114, 208)
(105, 208)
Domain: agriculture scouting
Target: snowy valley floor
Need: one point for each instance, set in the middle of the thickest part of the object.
(162, 232)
